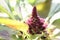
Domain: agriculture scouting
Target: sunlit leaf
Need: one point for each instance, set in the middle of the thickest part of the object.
(5, 7)
(4, 4)
(55, 17)
(17, 25)
(2, 9)
(11, 4)
(55, 20)
(54, 8)
(17, 10)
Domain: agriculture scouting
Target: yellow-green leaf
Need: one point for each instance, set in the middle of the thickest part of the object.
(14, 24)
(2, 9)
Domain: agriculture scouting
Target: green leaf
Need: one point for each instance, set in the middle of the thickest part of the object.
(55, 20)
(2, 9)
(57, 23)
(55, 17)
(54, 8)
(32, 1)
(14, 24)
(4, 4)
(18, 11)
(9, 6)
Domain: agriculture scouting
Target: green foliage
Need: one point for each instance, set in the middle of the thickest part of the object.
(53, 9)
(55, 17)
(57, 23)
(32, 1)
(2, 9)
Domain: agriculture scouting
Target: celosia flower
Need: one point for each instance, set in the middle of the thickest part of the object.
(36, 23)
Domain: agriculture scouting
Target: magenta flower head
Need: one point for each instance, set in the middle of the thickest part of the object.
(36, 24)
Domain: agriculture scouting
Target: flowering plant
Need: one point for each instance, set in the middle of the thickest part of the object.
(22, 20)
